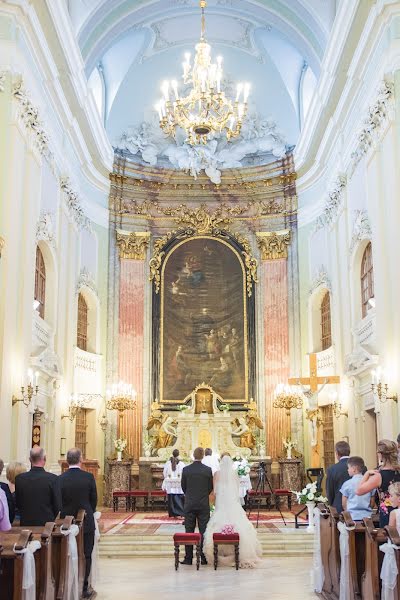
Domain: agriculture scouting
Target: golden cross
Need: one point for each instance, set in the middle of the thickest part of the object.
(313, 380)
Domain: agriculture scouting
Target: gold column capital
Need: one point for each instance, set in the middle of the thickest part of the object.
(273, 244)
(132, 244)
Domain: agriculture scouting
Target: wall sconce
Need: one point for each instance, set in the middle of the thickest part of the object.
(337, 406)
(31, 389)
(103, 422)
(75, 405)
(380, 389)
(314, 414)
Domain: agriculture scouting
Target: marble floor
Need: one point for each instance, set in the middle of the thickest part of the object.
(151, 578)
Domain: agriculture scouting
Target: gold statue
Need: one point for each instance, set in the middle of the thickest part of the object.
(165, 432)
(242, 430)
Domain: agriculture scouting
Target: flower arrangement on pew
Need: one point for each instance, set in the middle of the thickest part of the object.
(309, 494)
(228, 530)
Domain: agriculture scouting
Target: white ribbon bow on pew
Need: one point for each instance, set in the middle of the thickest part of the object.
(94, 571)
(317, 573)
(29, 570)
(72, 583)
(389, 570)
(344, 589)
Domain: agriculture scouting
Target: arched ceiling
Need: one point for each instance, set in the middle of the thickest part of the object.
(139, 43)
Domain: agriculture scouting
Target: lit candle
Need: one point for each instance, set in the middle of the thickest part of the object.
(162, 108)
(165, 90)
(246, 92)
(240, 111)
(36, 377)
(158, 109)
(238, 91)
(175, 88)
(30, 377)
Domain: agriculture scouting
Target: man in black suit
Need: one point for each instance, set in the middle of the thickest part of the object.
(78, 490)
(6, 490)
(37, 492)
(337, 474)
(197, 485)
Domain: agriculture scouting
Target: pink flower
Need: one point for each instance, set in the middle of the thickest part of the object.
(228, 529)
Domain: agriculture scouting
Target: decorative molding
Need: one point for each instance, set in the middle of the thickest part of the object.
(29, 115)
(333, 204)
(320, 279)
(361, 229)
(205, 224)
(201, 220)
(259, 137)
(45, 229)
(378, 115)
(133, 245)
(274, 244)
(75, 211)
(2, 244)
(86, 279)
(48, 362)
(359, 360)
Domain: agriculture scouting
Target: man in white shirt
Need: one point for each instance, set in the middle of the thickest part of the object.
(211, 460)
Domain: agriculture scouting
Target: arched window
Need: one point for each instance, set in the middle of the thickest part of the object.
(40, 281)
(326, 322)
(367, 278)
(82, 329)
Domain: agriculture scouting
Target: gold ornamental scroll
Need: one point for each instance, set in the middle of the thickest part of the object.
(132, 247)
(274, 282)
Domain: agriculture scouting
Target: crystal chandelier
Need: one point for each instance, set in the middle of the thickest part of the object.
(205, 110)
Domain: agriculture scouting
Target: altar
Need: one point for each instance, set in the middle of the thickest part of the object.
(203, 420)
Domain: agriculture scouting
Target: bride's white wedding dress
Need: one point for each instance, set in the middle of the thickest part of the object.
(229, 511)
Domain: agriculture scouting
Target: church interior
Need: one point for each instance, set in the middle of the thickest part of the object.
(195, 250)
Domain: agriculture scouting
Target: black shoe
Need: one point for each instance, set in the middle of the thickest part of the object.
(186, 561)
(203, 560)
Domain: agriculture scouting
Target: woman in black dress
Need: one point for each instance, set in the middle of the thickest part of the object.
(380, 479)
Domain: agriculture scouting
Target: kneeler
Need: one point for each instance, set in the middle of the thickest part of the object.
(187, 539)
(226, 539)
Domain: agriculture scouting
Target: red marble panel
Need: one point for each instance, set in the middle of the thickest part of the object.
(130, 348)
(276, 348)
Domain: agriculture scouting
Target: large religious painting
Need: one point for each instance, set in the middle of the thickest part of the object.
(203, 320)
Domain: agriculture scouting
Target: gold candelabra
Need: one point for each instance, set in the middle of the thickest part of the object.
(121, 397)
(380, 389)
(29, 391)
(288, 398)
(205, 110)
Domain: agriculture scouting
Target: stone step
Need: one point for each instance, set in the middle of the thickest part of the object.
(293, 544)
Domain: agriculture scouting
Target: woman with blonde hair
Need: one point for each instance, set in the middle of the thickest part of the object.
(13, 469)
(381, 478)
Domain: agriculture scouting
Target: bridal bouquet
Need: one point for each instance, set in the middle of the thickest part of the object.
(309, 494)
(242, 467)
(228, 530)
(120, 444)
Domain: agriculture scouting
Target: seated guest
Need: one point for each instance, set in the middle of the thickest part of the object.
(78, 490)
(211, 460)
(337, 474)
(13, 469)
(7, 493)
(358, 506)
(5, 524)
(394, 495)
(172, 484)
(37, 492)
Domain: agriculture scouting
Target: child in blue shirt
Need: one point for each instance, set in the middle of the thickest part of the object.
(358, 506)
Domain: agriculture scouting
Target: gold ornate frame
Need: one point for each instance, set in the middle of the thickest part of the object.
(245, 332)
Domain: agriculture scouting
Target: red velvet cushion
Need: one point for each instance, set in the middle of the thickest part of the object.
(282, 492)
(187, 538)
(158, 493)
(225, 537)
(259, 493)
(138, 493)
(119, 493)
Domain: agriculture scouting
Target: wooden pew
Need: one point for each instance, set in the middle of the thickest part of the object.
(370, 581)
(12, 563)
(394, 537)
(357, 553)
(60, 563)
(330, 551)
(79, 520)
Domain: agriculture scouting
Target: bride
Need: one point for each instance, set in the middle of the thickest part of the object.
(228, 511)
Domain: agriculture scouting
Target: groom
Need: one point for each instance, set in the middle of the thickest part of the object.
(197, 485)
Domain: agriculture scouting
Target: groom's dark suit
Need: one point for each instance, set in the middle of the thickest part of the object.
(197, 485)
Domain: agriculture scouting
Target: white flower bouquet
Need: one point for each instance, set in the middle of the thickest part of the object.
(242, 467)
(309, 494)
(120, 444)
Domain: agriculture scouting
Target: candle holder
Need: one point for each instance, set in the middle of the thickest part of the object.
(287, 397)
(74, 407)
(121, 397)
(28, 391)
(379, 389)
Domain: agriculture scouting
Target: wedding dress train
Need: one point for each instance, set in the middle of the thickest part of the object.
(229, 512)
